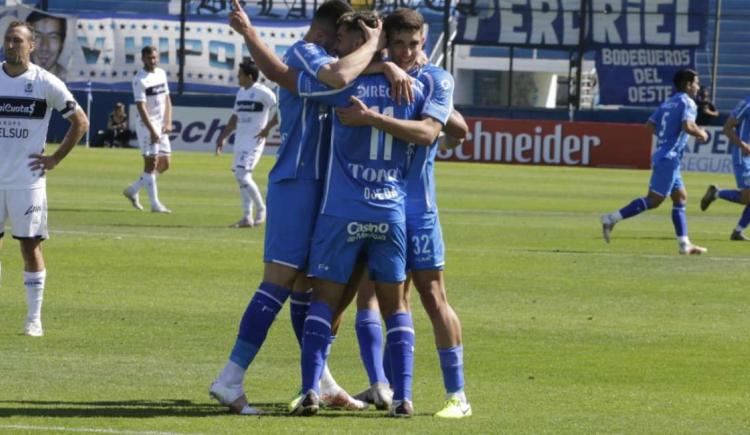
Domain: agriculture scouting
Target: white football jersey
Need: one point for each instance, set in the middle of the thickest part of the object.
(152, 87)
(253, 107)
(26, 103)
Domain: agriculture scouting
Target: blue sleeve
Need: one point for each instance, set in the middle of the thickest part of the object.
(439, 94)
(310, 87)
(690, 112)
(308, 58)
(741, 109)
(655, 117)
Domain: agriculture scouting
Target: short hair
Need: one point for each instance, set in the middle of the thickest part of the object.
(35, 16)
(683, 77)
(27, 25)
(145, 51)
(119, 104)
(249, 68)
(403, 19)
(329, 13)
(350, 20)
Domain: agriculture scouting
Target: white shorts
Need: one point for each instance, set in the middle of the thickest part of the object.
(248, 158)
(27, 211)
(148, 149)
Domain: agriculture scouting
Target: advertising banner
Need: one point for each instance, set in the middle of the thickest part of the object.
(713, 156)
(639, 77)
(539, 142)
(557, 23)
(196, 129)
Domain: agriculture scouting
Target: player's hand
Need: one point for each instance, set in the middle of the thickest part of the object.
(355, 115)
(238, 19)
(401, 90)
(42, 162)
(704, 137)
(219, 146)
(155, 137)
(167, 128)
(376, 33)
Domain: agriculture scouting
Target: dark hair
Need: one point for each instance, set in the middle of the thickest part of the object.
(249, 68)
(35, 16)
(350, 20)
(145, 51)
(28, 26)
(329, 13)
(403, 19)
(683, 78)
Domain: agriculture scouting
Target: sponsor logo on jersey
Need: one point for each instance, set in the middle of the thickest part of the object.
(156, 89)
(367, 230)
(14, 133)
(15, 107)
(373, 91)
(249, 106)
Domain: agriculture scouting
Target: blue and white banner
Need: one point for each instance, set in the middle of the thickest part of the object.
(557, 23)
(105, 49)
(639, 77)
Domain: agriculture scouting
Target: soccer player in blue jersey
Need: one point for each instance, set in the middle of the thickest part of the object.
(293, 198)
(737, 129)
(672, 122)
(425, 254)
(362, 212)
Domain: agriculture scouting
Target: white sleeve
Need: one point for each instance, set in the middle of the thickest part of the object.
(139, 92)
(59, 97)
(236, 98)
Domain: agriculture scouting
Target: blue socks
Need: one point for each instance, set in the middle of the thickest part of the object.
(400, 343)
(299, 303)
(679, 220)
(637, 206)
(370, 337)
(259, 315)
(731, 195)
(387, 365)
(452, 365)
(315, 344)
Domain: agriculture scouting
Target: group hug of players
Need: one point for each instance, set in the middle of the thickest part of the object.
(351, 208)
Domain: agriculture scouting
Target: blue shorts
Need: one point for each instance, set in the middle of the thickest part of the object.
(338, 243)
(666, 177)
(291, 209)
(742, 174)
(425, 243)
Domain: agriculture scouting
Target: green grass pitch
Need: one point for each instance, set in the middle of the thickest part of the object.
(562, 333)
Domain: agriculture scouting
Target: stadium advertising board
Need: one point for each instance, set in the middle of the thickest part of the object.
(104, 48)
(639, 77)
(712, 156)
(610, 23)
(196, 128)
(539, 142)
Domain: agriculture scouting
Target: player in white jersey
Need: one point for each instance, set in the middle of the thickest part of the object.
(154, 123)
(28, 94)
(253, 106)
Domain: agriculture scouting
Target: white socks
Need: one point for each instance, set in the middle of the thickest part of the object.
(327, 383)
(34, 283)
(250, 193)
(149, 180)
(232, 374)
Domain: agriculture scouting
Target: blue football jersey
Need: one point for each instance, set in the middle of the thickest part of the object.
(367, 167)
(742, 114)
(668, 119)
(420, 180)
(303, 149)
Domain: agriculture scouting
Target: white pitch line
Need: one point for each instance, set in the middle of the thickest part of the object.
(86, 430)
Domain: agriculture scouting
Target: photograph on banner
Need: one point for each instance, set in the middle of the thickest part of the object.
(612, 23)
(541, 142)
(56, 46)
